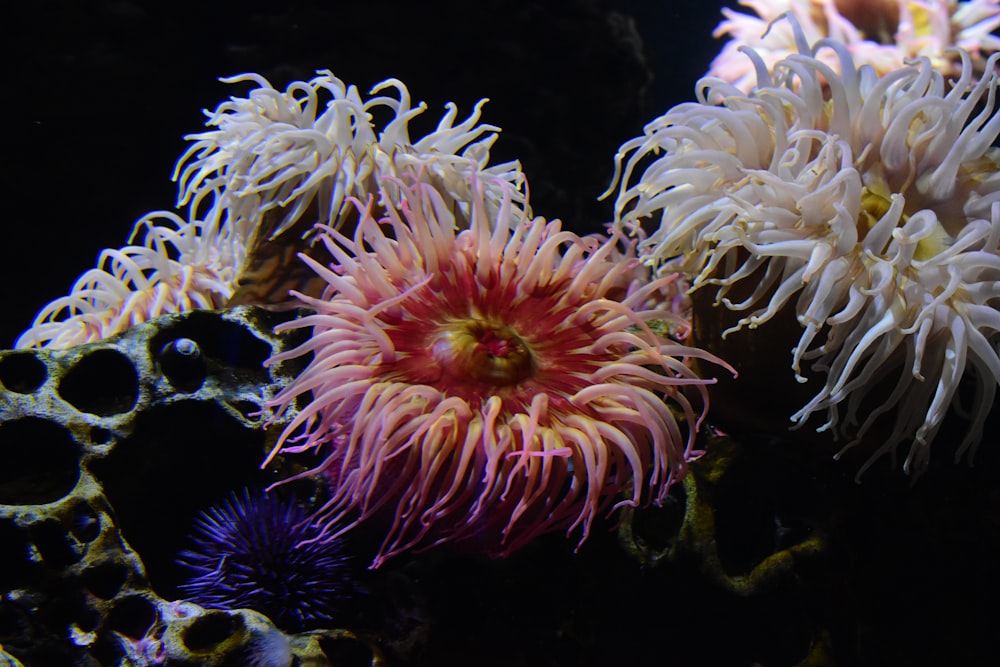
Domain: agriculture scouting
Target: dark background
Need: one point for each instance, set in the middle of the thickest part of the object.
(99, 95)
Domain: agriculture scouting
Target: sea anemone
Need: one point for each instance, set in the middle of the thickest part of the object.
(311, 146)
(882, 33)
(867, 206)
(273, 164)
(257, 551)
(171, 266)
(489, 385)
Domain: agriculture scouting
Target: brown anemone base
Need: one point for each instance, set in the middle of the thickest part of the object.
(765, 394)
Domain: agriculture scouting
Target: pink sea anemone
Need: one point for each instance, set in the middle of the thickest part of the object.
(487, 385)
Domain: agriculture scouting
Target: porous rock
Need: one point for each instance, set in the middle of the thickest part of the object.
(109, 450)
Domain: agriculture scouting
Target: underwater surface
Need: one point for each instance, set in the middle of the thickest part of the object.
(130, 464)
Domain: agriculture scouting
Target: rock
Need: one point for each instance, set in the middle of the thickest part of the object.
(101, 464)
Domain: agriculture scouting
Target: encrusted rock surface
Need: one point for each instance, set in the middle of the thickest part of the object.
(108, 450)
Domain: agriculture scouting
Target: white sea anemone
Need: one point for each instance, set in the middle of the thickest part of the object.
(314, 144)
(273, 161)
(171, 265)
(869, 206)
(882, 33)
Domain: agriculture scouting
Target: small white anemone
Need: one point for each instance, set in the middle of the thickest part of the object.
(315, 144)
(868, 205)
(171, 265)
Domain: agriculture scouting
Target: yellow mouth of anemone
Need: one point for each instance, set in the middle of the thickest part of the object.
(483, 351)
(874, 206)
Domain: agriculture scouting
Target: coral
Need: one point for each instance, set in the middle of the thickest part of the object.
(866, 207)
(487, 386)
(258, 551)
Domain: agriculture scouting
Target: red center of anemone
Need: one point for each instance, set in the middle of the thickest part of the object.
(483, 351)
(474, 343)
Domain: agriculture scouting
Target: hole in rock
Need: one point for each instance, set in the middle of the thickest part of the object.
(22, 372)
(103, 383)
(40, 462)
(54, 544)
(210, 630)
(132, 616)
(105, 579)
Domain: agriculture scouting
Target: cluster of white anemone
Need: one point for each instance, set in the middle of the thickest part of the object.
(294, 155)
(869, 205)
(899, 30)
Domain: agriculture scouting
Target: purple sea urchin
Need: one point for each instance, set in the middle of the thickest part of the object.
(258, 551)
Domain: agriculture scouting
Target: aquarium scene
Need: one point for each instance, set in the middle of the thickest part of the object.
(551, 334)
